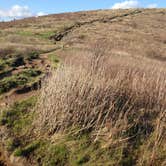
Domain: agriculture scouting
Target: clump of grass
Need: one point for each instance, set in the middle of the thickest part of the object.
(69, 150)
(110, 103)
(54, 60)
(57, 154)
(50, 154)
(10, 82)
(27, 150)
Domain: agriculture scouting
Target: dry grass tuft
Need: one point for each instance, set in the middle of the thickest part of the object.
(118, 104)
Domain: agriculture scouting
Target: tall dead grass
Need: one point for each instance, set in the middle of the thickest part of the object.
(114, 103)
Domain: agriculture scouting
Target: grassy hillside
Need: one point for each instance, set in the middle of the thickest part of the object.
(85, 88)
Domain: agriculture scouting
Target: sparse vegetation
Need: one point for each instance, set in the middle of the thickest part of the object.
(14, 73)
(103, 104)
(23, 78)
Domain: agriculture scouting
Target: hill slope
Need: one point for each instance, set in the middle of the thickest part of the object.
(127, 50)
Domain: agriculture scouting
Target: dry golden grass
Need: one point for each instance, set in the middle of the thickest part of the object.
(114, 90)
(118, 104)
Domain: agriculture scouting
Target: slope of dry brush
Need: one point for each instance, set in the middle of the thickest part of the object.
(122, 105)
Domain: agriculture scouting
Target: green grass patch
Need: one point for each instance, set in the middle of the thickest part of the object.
(19, 118)
(27, 150)
(43, 35)
(11, 62)
(56, 155)
(24, 78)
(15, 60)
(54, 60)
(24, 33)
(73, 150)
(52, 154)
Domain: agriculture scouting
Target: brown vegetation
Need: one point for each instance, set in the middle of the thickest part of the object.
(106, 101)
(124, 106)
